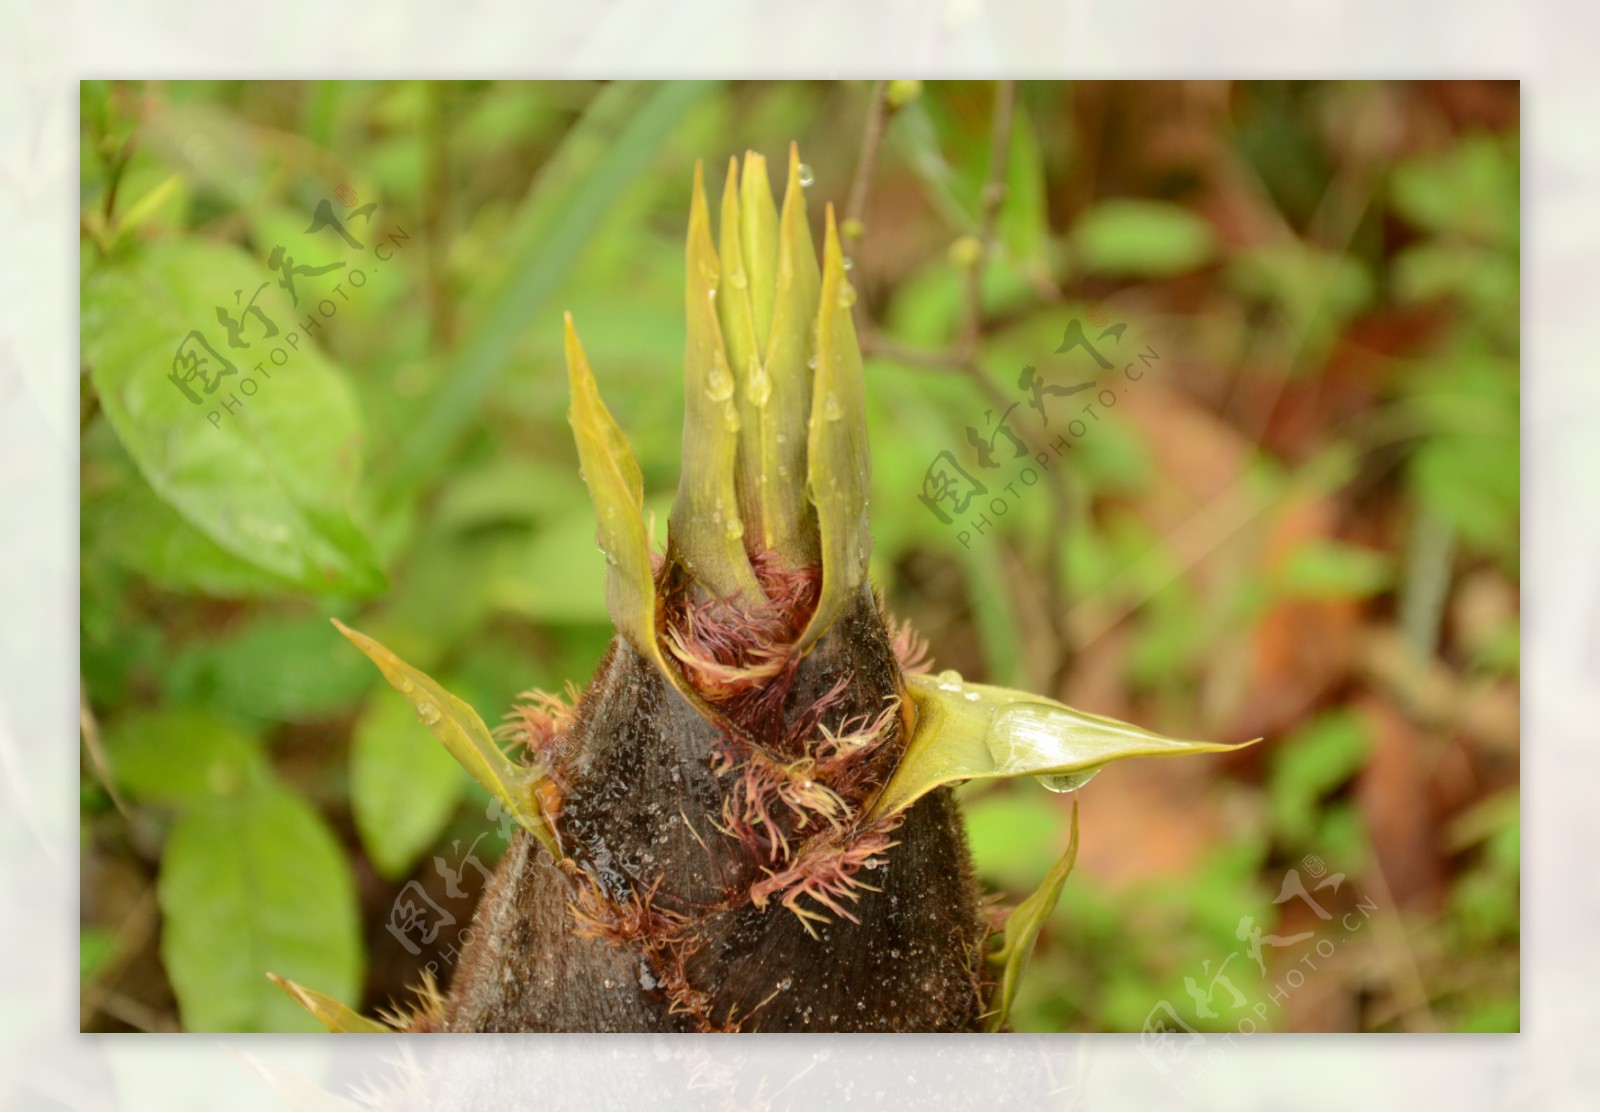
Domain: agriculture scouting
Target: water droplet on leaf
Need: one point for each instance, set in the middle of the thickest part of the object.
(806, 174)
(1066, 782)
(719, 384)
(760, 383)
(831, 409)
(949, 681)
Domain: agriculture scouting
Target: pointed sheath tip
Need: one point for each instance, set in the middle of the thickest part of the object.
(832, 252)
(333, 1014)
(580, 380)
(730, 208)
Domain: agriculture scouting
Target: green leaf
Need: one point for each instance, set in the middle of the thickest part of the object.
(268, 462)
(463, 733)
(404, 786)
(1149, 239)
(1317, 291)
(249, 885)
(181, 756)
(95, 946)
(1312, 762)
(122, 518)
(1471, 190)
(969, 732)
(1022, 931)
(1472, 483)
(1325, 569)
(277, 669)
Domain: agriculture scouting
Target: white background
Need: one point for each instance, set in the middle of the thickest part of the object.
(46, 47)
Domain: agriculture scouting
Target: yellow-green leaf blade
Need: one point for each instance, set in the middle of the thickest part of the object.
(968, 732)
(759, 233)
(706, 531)
(788, 521)
(616, 487)
(1022, 931)
(462, 731)
(334, 1014)
(839, 465)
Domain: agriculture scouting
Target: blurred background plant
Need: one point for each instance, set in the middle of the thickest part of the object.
(1300, 522)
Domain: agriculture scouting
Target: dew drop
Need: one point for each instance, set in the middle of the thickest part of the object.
(847, 295)
(760, 383)
(1066, 782)
(1029, 736)
(949, 681)
(406, 686)
(812, 362)
(719, 384)
(806, 174)
(426, 711)
(831, 409)
(738, 279)
(735, 529)
(848, 262)
(785, 983)
(730, 417)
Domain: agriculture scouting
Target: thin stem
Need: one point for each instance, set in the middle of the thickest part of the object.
(963, 357)
(871, 139)
(989, 201)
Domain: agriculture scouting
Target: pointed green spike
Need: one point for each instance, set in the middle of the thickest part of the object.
(616, 487)
(334, 1015)
(1022, 931)
(706, 531)
(759, 231)
(970, 732)
(838, 466)
(459, 727)
(745, 357)
(734, 312)
(789, 525)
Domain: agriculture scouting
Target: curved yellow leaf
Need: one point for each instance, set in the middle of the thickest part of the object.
(788, 521)
(969, 732)
(335, 1015)
(462, 730)
(616, 487)
(705, 530)
(1022, 931)
(839, 467)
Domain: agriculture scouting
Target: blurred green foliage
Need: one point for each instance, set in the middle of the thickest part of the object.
(1330, 272)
